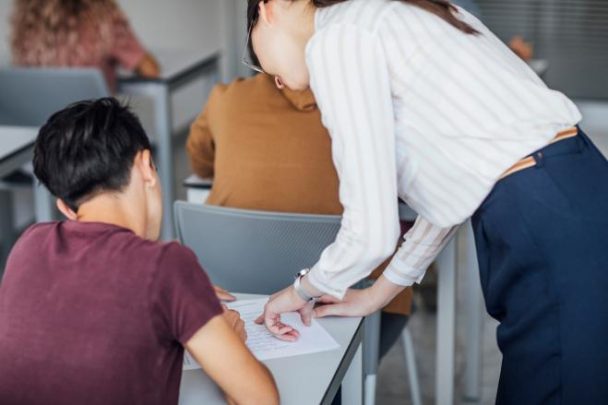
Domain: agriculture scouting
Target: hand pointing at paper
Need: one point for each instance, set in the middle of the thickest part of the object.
(286, 300)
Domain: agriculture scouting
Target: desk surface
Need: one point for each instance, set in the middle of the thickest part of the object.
(319, 373)
(16, 144)
(174, 63)
(193, 181)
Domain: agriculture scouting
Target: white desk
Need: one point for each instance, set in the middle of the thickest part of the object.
(198, 189)
(182, 72)
(302, 380)
(16, 149)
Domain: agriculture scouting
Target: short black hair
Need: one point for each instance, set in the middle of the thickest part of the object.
(88, 148)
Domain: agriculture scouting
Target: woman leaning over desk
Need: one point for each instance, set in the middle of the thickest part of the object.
(424, 103)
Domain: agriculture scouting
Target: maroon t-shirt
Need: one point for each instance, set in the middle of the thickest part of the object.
(90, 313)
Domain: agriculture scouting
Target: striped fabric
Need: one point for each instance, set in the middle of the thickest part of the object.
(418, 110)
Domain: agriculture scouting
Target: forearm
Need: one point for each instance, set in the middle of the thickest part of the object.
(384, 291)
(421, 246)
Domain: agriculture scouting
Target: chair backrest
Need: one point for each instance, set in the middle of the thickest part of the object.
(252, 251)
(29, 96)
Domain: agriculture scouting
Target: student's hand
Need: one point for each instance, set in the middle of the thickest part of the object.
(236, 323)
(223, 295)
(286, 300)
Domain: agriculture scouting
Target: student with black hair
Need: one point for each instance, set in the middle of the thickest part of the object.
(94, 309)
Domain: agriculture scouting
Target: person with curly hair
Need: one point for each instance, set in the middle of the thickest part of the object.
(77, 33)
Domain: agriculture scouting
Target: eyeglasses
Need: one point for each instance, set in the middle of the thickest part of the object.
(245, 59)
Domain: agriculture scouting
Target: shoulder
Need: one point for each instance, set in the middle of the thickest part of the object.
(240, 89)
(349, 22)
(241, 98)
(174, 255)
(34, 236)
(367, 15)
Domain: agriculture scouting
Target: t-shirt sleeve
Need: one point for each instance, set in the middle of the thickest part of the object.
(126, 48)
(183, 299)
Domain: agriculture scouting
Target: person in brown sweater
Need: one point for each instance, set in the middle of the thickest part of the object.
(267, 149)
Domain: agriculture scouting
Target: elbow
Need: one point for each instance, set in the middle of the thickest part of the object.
(376, 253)
(272, 392)
(379, 248)
(272, 399)
(269, 398)
(267, 393)
(202, 170)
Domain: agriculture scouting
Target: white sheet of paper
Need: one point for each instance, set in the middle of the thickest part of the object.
(264, 346)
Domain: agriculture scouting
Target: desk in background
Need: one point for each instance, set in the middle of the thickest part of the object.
(187, 78)
(17, 149)
(302, 380)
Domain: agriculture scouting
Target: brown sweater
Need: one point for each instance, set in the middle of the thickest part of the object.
(266, 149)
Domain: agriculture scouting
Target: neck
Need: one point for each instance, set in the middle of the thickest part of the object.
(304, 24)
(114, 210)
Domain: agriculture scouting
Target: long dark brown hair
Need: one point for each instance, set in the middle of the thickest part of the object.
(441, 8)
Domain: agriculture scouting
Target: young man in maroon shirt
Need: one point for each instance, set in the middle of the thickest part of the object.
(94, 309)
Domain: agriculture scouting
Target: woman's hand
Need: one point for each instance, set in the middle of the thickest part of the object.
(359, 302)
(286, 300)
(355, 303)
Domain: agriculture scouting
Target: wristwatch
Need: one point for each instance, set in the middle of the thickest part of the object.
(297, 285)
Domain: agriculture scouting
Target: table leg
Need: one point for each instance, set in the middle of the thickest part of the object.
(44, 203)
(6, 226)
(474, 318)
(164, 155)
(352, 384)
(371, 352)
(446, 309)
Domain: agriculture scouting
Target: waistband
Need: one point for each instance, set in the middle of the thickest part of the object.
(530, 161)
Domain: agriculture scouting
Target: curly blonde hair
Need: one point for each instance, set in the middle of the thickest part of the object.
(48, 32)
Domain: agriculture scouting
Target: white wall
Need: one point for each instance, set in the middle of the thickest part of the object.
(201, 25)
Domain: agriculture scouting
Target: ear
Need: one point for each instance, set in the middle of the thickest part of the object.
(65, 210)
(147, 169)
(266, 12)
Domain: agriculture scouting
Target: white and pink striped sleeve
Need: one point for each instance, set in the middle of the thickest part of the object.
(351, 83)
(423, 242)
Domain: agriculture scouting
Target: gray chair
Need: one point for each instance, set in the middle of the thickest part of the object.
(260, 252)
(251, 251)
(30, 95)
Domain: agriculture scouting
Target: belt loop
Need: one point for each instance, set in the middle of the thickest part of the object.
(539, 158)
